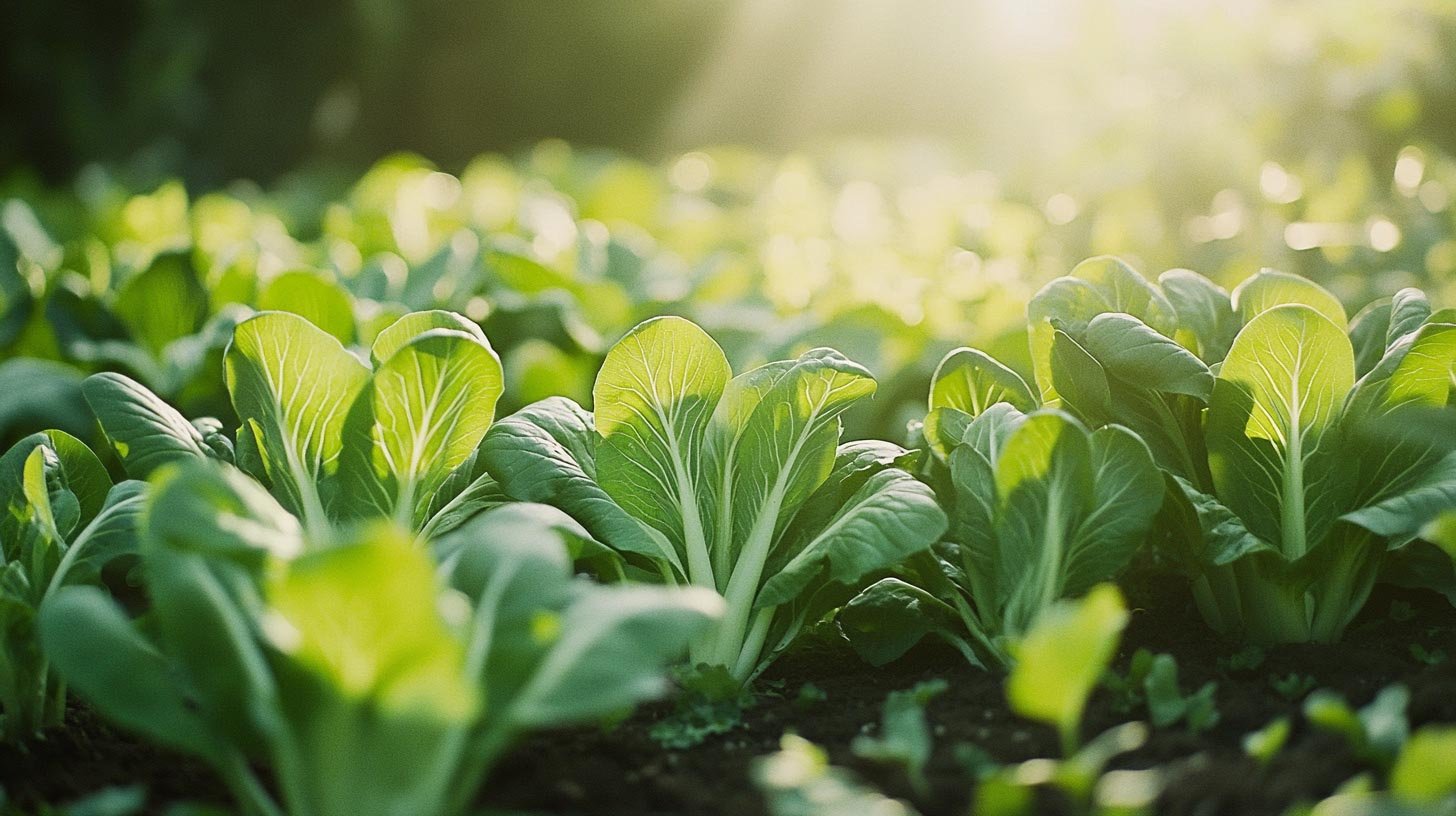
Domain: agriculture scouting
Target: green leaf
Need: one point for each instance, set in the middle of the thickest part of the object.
(614, 642)
(405, 329)
(1130, 351)
(905, 737)
(212, 508)
(654, 397)
(890, 517)
(67, 466)
(1061, 658)
(163, 303)
(1080, 379)
(113, 532)
(1043, 477)
(313, 296)
(364, 616)
(292, 386)
(970, 381)
(1368, 331)
(1270, 422)
(1409, 309)
(1126, 493)
(421, 416)
(890, 616)
(1268, 289)
(106, 661)
(1416, 370)
(144, 430)
(1424, 773)
(1401, 514)
(1224, 538)
(546, 452)
(783, 452)
(1206, 320)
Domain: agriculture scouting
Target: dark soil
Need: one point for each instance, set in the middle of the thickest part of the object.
(623, 771)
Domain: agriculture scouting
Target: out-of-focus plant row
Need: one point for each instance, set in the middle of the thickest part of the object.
(557, 254)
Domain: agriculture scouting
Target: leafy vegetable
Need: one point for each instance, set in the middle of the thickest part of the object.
(1061, 657)
(728, 483)
(1167, 703)
(63, 522)
(905, 737)
(1375, 732)
(798, 780)
(334, 439)
(1251, 405)
(1041, 509)
(370, 681)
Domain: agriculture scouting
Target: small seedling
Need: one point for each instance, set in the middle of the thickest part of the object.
(1059, 661)
(1166, 703)
(1430, 657)
(1292, 686)
(1266, 743)
(905, 737)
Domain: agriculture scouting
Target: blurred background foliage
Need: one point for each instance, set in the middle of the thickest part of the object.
(893, 179)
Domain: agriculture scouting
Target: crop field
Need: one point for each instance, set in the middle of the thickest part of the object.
(1097, 459)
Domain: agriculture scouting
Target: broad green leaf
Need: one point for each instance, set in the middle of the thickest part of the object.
(144, 430)
(1065, 302)
(1268, 289)
(364, 616)
(1424, 773)
(1419, 368)
(891, 517)
(1080, 379)
(165, 302)
(1368, 331)
(421, 416)
(1409, 309)
(1224, 538)
(787, 450)
(654, 397)
(1124, 290)
(973, 514)
(1270, 426)
(970, 381)
(292, 386)
(614, 642)
(1420, 494)
(109, 663)
(1130, 351)
(1127, 491)
(1060, 660)
(313, 296)
(546, 452)
(1206, 320)
(66, 465)
(399, 333)
(890, 616)
(113, 532)
(1043, 481)
(202, 506)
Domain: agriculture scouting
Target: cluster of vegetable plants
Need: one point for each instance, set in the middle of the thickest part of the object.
(317, 533)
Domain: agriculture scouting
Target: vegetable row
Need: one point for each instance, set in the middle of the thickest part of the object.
(372, 586)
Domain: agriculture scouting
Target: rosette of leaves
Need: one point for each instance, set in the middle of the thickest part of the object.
(1280, 428)
(64, 521)
(1041, 509)
(333, 437)
(369, 677)
(736, 484)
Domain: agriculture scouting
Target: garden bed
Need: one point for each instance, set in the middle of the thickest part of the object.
(624, 770)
